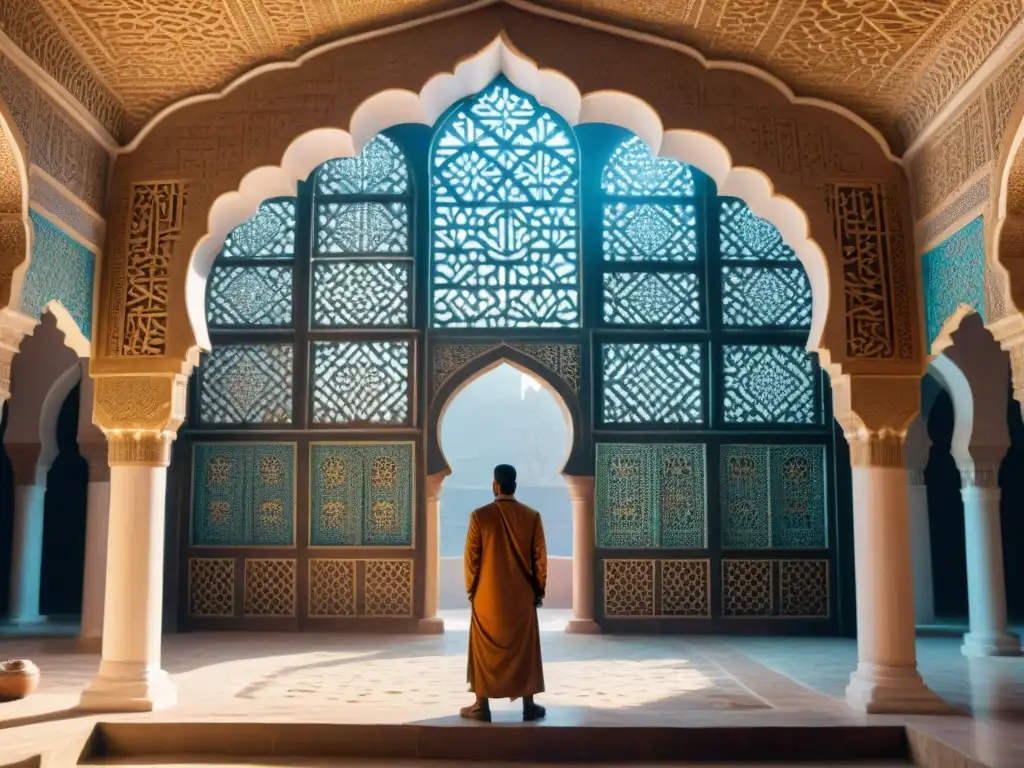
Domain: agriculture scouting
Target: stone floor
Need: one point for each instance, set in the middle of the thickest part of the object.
(595, 680)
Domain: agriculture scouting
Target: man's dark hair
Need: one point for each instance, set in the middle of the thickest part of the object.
(505, 477)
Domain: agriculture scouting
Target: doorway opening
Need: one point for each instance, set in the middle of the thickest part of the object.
(505, 416)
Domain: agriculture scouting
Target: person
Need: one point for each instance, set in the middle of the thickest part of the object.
(506, 568)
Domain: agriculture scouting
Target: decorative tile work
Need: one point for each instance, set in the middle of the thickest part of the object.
(743, 475)
(652, 383)
(769, 384)
(362, 494)
(748, 588)
(953, 274)
(685, 588)
(211, 586)
(628, 588)
(973, 197)
(270, 587)
(246, 384)
(332, 588)
(803, 588)
(47, 195)
(681, 496)
(62, 270)
(387, 589)
(361, 382)
(563, 359)
(243, 494)
(156, 215)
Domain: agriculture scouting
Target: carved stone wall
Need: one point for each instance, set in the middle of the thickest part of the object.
(48, 195)
(209, 146)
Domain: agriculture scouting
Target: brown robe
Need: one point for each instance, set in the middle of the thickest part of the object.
(506, 574)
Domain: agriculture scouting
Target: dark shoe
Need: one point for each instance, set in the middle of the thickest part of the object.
(476, 712)
(532, 712)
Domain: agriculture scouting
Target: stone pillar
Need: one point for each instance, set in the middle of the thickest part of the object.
(986, 586)
(27, 541)
(94, 577)
(917, 446)
(431, 623)
(875, 413)
(584, 540)
(139, 416)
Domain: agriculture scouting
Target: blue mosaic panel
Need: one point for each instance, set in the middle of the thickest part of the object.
(653, 232)
(745, 502)
(336, 503)
(246, 384)
(360, 382)
(766, 296)
(632, 171)
(360, 293)
(746, 236)
(362, 227)
(61, 270)
(649, 298)
(243, 494)
(505, 210)
(798, 496)
(769, 385)
(682, 496)
(387, 514)
(652, 384)
(249, 296)
(270, 234)
(361, 495)
(954, 274)
(380, 169)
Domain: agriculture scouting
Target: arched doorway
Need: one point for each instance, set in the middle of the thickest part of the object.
(505, 416)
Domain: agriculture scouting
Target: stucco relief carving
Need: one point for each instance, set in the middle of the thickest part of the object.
(13, 249)
(963, 207)
(140, 416)
(46, 194)
(562, 359)
(875, 413)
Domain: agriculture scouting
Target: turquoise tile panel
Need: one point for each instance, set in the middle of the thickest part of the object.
(954, 274)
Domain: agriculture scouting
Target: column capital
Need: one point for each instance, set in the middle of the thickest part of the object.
(581, 487)
(875, 413)
(1009, 332)
(25, 463)
(14, 327)
(434, 483)
(96, 456)
(140, 416)
(979, 468)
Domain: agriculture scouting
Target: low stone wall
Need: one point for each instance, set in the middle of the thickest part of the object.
(453, 585)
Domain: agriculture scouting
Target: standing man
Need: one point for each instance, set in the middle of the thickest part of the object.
(506, 574)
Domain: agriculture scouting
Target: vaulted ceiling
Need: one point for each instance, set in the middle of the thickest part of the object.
(894, 62)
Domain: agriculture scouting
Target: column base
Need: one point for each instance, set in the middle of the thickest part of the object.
(121, 687)
(979, 645)
(434, 626)
(89, 644)
(582, 627)
(875, 689)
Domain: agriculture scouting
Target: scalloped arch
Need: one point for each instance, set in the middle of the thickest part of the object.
(554, 90)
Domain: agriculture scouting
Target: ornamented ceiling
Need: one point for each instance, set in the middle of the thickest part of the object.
(894, 62)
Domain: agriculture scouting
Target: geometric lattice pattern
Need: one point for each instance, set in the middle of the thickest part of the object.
(387, 588)
(651, 232)
(362, 228)
(360, 293)
(246, 384)
(361, 494)
(269, 234)
(953, 274)
(747, 588)
(769, 384)
(632, 171)
(628, 588)
(380, 169)
(773, 496)
(777, 297)
(651, 496)
(685, 588)
(745, 236)
(249, 296)
(505, 214)
(211, 586)
(803, 588)
(243, 494)
(270, 587)
(652, 383)
(332, 588)
(361, 382)
(646, 298)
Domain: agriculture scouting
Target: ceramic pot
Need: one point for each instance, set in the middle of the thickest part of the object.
(18, 679)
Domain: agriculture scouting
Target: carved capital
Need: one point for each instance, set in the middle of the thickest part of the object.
(140, 416)
(875, 413)
(14, 327)
(139, 449)
(581, 488)
(25, 463)
(95, 455)
(434, 483)
(980, 467)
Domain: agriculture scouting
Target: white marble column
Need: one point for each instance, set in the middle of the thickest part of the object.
(27, 540)
(917, 448)
(581, 496)
(431, 623)
(94, 577)
(130, 677)
(886, 680)
(986, 587)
